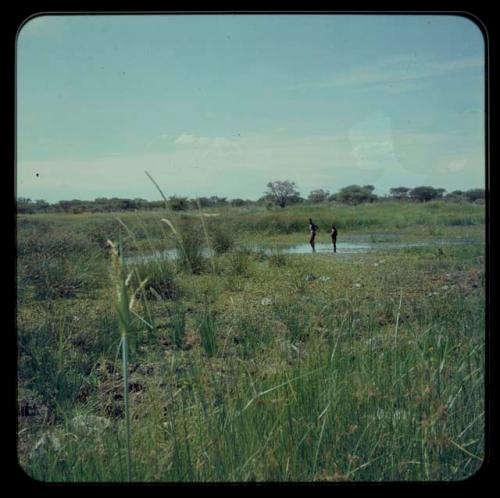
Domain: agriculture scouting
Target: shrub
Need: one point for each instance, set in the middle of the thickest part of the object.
(278, 258)
(239, 261)
(161, 277)
(189, 246)
(222, 239)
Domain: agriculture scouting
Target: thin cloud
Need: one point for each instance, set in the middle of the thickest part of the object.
(216, 142)
(395, 70)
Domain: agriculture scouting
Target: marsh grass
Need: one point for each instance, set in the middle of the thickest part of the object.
(239, 261)
(54, 263)
(189, 246)
(222, 239)
(376, 374)
(206, 325)
(177, 313)
(277, 258)
(162, 278)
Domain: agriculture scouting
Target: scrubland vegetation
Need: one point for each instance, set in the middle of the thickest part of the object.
(246, 364)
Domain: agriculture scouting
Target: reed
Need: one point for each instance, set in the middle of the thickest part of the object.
(124, 304)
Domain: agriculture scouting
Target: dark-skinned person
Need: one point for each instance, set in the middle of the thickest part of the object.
(313, 228)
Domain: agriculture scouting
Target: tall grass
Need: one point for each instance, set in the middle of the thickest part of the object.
(206, 324)
(375, 374)
(124, 304)
(178, 323)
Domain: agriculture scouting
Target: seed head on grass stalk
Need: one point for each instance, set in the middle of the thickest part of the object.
(124, 305)
(178, 237)
(207, 238)
(171, 225)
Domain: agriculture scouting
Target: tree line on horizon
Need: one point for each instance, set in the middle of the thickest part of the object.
(278, 193)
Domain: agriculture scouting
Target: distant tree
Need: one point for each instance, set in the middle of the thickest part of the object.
(399, 193)
(127, 204)
(76, 206)
(282, 192)
(41, 205)
(178, 203)
(475, 194)
(64, 206)
(202, 202)
(440, 192)
(140, 203)
(295, 199)
(423, 193)
(456, 196)
(24, 205)
(319, 195)
(156, 204)
(218, 201)
(355, 194)
(237, 202)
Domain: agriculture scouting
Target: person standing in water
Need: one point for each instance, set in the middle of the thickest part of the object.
(313, 229)
(333, 233)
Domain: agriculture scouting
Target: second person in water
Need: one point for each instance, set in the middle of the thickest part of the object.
(333, 234)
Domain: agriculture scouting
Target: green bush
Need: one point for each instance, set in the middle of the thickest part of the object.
(222, 239)
(239, 261)
(278, 258)
(189, 247)
(161, 278)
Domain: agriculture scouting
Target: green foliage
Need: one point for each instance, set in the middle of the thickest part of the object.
(222, 239)
(177, 313)
(355, 194)
(161, 278)
(178, 203)
(278, 259)
(475, 194)
(318, 196)
(400, 193)
(206, 325)
(239, 261)
(296, 318)
(53, 263)
(190, 246)
(425, 194)
(282, 192)
(373, 374)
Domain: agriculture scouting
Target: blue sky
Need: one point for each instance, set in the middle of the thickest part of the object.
(223, 104)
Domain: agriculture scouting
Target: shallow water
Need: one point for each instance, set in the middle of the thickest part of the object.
(342, 248)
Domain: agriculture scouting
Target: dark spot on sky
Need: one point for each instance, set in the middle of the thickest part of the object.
(37, 174)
